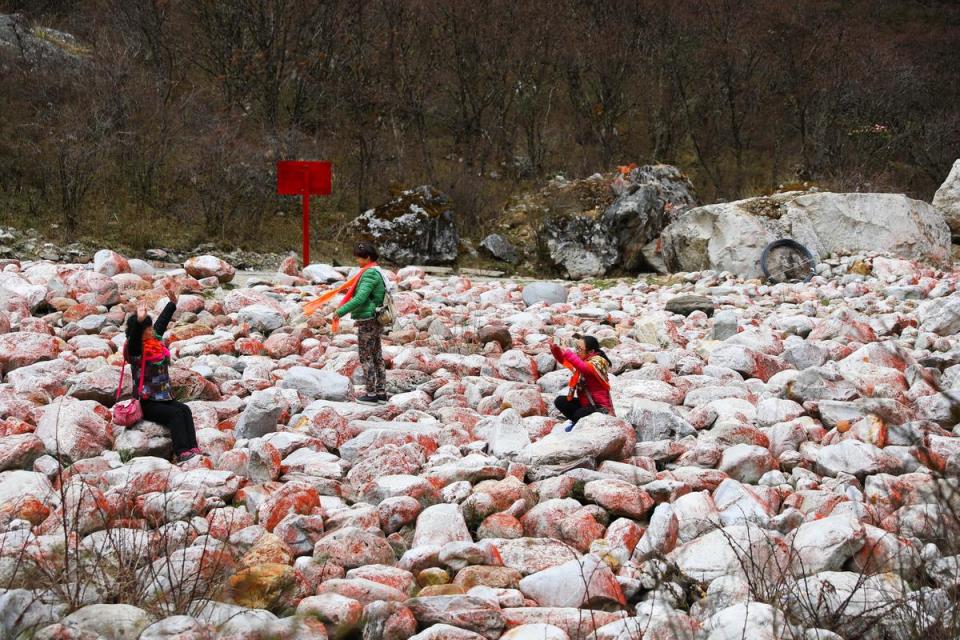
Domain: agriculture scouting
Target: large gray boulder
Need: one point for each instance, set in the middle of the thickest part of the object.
(260, 415)
(585, 242)
(649, 197)
(578, 246)
(947, 199)
(731, 236)
(414, 228)
(39, 45)
(500, 248)
(546, 292)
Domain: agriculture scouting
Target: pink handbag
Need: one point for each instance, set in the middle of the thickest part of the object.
(128, 412)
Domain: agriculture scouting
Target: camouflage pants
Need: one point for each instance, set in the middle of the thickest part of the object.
(371, 356)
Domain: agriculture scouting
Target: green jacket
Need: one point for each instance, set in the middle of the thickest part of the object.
(369, 295)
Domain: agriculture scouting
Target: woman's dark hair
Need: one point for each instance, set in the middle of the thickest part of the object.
(592, 345)
(135, 327)
(366, 250)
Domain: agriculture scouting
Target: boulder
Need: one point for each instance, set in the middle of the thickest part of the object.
(262, 318)
(583, 583)
(466, 612)
(322, 274)
(855, 458)
(110, 621)
(947, 199)
(499, 248)
(545, 292)
(686, 304)
(19, 451)
(317, 384)
(13, 284)
(745, 550)
(352, 547)
(755, 620)
(260, 415)
(577, 246)
(440, 524)
(416, 227)
(75, 429)
(597, 437)
(538, 631)
(20, 349)
(496, 333)
(825, 544)
(648, 197)
(731, 236)
(110, 263)
(201, 267)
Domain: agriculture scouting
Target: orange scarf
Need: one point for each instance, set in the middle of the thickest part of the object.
(154, 350)
(575, 378)
(348, 288)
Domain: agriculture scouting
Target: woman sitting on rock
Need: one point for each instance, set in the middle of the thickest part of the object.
(589, 389)
(145, 349)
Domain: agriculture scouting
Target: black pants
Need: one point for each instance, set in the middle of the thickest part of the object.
(176, 417)
(572, 409)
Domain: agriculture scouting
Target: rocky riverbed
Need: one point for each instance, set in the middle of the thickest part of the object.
(783, 463)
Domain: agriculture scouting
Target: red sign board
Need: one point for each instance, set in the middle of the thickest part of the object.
(304, 178)
(298, 177)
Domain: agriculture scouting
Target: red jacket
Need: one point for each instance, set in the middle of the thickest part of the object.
(595, 385)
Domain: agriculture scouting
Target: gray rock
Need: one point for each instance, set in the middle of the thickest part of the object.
(687, 304)
(112, 621)
(805, 355)
(496, 333)
(176, 627)
(318, 384)
(415, 228)
(856, 458)
(947, 198)
(584, 582)
(144, 439)
(22, 610)
(731, 236)
(322, 274)
(262, 318)
(546, 292)
(596, 437)
(748, 620)
(724, 324)
(941, 315)
(578, 246)
(467, 612)
(40, 45)
(500, 248)
(260, 415)
(657, 421)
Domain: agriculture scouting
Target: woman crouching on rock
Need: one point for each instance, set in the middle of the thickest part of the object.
(589, 389)
(145, 349)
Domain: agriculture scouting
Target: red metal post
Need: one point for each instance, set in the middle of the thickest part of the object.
(306, 228)
(304, 178)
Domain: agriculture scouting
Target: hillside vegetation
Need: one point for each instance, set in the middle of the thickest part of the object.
(159, 121)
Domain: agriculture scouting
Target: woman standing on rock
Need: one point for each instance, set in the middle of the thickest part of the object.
(145, 349)
(589, 389)
(364, 294)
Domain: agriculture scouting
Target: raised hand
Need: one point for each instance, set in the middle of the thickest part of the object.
(172, 289)
(142, 311)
